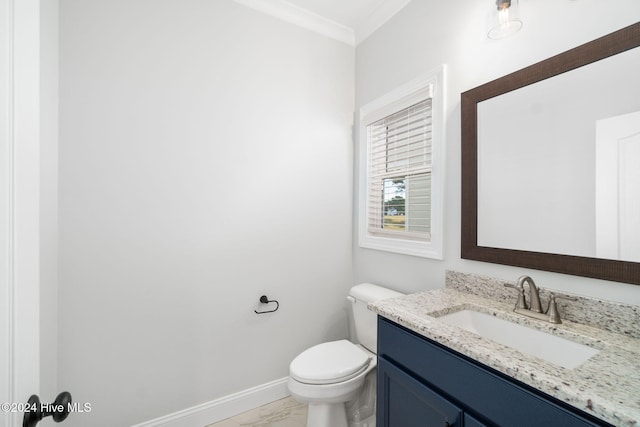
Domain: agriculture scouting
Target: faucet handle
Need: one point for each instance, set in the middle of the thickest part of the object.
(552, 311)
(522, 303)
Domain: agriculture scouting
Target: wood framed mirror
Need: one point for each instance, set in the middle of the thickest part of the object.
(495, 217)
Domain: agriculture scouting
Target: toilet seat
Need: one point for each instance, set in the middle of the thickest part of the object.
(329, 363)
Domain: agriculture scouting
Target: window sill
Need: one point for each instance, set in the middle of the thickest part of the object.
(402, 246)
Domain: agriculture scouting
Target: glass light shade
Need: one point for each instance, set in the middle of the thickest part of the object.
(504, 20)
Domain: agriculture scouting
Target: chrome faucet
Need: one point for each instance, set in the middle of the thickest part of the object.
(551, 315)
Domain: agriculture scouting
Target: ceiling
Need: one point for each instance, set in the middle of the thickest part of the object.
(350, 21)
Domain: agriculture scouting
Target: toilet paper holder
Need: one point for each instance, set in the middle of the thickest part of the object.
(265, 300)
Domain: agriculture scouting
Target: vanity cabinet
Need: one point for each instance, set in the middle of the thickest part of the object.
(422, 383)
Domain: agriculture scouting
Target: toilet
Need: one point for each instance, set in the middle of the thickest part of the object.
(329, 375)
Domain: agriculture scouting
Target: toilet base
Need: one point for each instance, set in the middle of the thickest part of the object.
(324, 414)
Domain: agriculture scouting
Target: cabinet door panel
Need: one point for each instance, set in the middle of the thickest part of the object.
(404, 401)
(469, 421)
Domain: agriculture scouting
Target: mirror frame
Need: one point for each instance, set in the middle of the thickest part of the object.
(601, 48)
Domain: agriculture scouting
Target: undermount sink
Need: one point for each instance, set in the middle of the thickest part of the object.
(551, 348)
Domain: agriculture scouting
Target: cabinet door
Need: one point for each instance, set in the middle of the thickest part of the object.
(404, 401)
(469, 421)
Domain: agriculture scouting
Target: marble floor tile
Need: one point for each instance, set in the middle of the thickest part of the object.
(229, 422)
(281, 413)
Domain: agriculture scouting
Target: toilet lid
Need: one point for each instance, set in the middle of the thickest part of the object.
(329, 362)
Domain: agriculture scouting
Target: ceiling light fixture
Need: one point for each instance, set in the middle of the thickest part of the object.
(506, 21)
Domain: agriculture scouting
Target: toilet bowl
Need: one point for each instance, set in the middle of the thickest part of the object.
(328, 375)
(344, 368)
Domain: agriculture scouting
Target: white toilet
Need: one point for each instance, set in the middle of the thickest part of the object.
(328, 375)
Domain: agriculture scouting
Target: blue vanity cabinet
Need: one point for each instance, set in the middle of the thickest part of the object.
(422, 383)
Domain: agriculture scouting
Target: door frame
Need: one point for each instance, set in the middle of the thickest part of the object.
(19, 205)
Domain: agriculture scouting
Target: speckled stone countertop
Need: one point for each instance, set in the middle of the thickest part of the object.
(606, 386)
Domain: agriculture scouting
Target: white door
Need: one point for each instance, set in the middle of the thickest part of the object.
(19, 207)
(5, 367)
(618, 187)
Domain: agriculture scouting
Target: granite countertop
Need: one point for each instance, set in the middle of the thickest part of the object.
(606, 386)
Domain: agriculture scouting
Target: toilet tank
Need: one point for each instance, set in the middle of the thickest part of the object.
(365, 320)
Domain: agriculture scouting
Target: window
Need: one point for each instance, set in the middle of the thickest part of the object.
(402, 169)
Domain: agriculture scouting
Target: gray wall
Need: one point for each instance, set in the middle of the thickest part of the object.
(205, 160)
(423, 36)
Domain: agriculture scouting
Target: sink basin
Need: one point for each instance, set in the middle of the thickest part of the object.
(551, 348)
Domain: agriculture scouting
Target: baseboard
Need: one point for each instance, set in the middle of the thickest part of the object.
(223, 408)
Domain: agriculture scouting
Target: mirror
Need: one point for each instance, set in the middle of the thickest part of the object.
(544, 150)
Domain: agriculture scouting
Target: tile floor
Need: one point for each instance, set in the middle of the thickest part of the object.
(281, 413)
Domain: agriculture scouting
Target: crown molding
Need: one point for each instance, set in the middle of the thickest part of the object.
(303, 18)
(385, 11)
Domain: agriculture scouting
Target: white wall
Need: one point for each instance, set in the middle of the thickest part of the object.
(426, 34)
(205, 160)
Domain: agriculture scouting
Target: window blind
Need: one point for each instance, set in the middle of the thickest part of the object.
(399, 173)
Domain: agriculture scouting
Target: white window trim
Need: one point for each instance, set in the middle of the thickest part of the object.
(400, 98)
